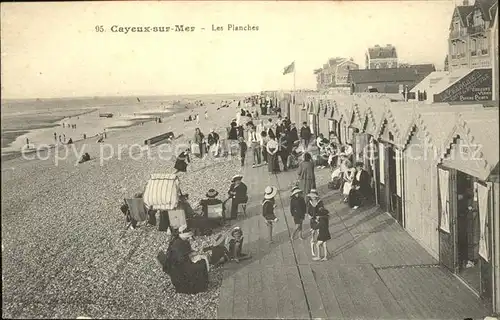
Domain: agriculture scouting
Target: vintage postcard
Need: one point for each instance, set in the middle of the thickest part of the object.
(250, 160)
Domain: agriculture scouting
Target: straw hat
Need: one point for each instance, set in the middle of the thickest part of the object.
(296, 190)
(237, 177)
(185, 232)
(313, 194)
(235, 230)
(270, 192)
(212, 130)
(212, 193)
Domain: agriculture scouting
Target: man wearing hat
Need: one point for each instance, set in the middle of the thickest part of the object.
(268, 206)
(298, 211)
(237, 193)
(210, 200)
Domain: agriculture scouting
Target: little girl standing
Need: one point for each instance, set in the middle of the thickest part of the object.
(268, 206)
(314, 204)
(323, 234)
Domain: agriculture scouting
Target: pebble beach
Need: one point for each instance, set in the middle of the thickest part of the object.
(66, 252)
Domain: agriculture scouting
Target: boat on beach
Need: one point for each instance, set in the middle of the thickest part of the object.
(106, 115)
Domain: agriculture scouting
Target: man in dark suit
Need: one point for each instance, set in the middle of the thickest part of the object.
(238, 193)
(305, 135)
(362, 186)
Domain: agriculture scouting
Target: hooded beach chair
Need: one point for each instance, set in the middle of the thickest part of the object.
(162, 193)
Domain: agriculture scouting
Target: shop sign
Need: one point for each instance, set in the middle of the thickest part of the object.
(475, 87)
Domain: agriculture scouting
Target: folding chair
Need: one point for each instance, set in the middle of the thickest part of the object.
(242, 208)
(137, 209)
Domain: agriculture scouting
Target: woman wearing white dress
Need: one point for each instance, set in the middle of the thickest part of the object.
(348, 178)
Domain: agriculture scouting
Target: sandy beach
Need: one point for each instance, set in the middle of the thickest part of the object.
(66, 251)
(38, 121)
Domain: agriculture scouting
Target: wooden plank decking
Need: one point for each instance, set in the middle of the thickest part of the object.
(375, 269)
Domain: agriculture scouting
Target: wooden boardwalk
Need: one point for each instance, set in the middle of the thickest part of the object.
(375, 269)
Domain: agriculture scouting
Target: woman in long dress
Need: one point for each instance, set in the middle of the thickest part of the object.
(272, 155)
(187, 270)
(348, 179)
(307, 178)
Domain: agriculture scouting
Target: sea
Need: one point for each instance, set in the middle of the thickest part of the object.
(37, 122)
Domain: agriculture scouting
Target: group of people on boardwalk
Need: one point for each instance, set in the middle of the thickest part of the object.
(270, 140)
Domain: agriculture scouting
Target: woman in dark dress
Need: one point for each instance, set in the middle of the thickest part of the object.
(180, 162)
(188, 272)
(233, 131)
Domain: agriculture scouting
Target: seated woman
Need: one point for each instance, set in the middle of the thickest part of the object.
(188, 270)
(182, 161)
(234, 245)
(228, 248)
(210, 200)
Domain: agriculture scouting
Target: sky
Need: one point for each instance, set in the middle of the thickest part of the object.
(53, 50)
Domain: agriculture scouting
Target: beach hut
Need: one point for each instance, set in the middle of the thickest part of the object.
(469, 225)
(421, 143)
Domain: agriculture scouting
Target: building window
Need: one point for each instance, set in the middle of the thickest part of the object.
(473, 47)
(377, 65)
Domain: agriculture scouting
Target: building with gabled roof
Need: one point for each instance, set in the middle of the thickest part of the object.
(378, 57)
(469, 41)
(334, 73)
(388, 80)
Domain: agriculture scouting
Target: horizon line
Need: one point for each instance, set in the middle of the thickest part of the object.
(153, 95)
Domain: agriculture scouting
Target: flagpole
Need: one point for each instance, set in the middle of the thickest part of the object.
(294, 82)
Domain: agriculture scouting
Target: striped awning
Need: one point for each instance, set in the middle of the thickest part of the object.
(162, 192)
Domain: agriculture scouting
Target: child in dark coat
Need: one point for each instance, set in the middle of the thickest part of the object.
(323, 234)
(314, 205)
(298, 211)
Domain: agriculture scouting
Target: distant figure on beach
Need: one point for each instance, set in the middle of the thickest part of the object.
(70, 141)
(84, 136)
(64, 137)
(206, 114)
(63, 124)
(27, 142)
(55, 136)
(197, 119)
(85, 158)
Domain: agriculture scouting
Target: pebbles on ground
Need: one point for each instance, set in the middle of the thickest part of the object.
(66, 252)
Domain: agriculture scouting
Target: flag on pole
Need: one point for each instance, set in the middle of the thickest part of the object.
(289, 69)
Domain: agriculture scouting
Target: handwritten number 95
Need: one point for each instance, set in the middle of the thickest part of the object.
(99, 28)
